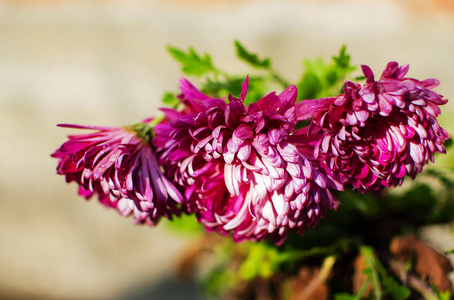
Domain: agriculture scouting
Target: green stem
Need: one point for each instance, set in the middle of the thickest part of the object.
(362, 291)
(278, 78)
(371, 260)
(156, 121)
(145, 130)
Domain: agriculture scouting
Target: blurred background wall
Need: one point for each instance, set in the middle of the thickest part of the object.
(105, 63)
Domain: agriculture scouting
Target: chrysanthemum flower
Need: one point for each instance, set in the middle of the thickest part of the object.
(120, 167)
(377, 133)
(241, 171)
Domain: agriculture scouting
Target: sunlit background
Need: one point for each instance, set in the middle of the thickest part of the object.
(105, 63)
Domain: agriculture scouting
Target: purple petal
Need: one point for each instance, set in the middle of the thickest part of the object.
(244, 88)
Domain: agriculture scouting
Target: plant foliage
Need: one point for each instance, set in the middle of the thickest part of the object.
(363, 225)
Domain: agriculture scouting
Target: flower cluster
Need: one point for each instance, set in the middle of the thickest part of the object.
(121, 169)
(244, 175)
(377, 133)
(251, 171)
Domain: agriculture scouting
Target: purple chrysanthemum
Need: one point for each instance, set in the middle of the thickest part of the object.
(121, 169)
(377, 133)
(241, 171)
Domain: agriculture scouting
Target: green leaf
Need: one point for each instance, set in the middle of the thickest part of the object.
(342, 61)
(170, 100)
(449, 252)
(251, 58)
(344, 296)
(192, 63)
(396, 291)
(261, 261)
(322, 79)
(219, 280)
(448, 143)
(446, 295)
(185, 224)
(233, 85)
(222, 88)
(310, 86)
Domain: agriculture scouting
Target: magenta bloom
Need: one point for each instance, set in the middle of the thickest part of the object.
(242, 171)
(377, 133)
(121, 168)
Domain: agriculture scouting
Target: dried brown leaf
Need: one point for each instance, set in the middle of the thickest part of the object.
(429, 264)
(359, 278)
(307, 286)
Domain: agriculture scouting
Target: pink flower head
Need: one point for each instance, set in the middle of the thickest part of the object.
(241, 172)
(121, 168)
(377, 133)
